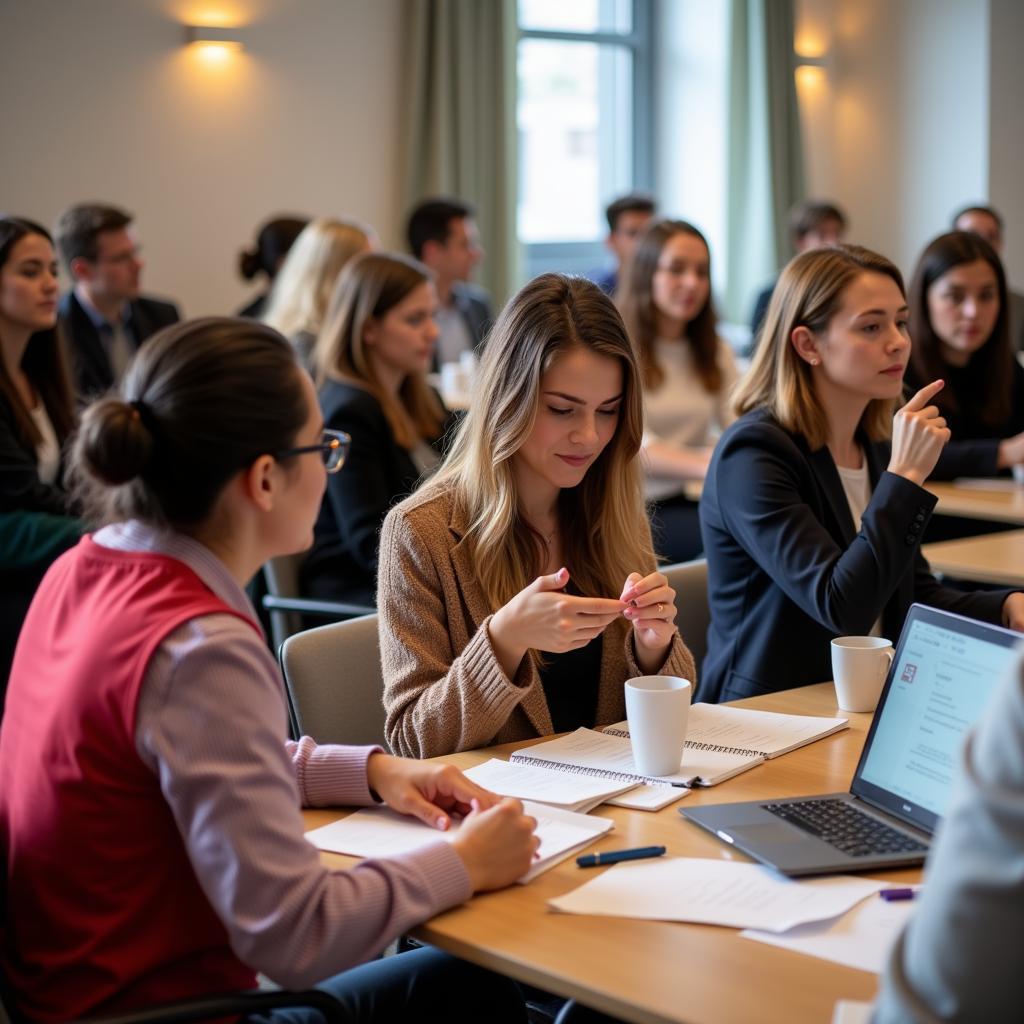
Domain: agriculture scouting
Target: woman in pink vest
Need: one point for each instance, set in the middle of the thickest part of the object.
(149, 801)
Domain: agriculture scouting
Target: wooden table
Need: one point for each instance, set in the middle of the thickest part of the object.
(1003, 502)
(650, 971)
(992, 558)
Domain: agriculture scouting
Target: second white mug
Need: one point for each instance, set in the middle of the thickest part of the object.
(859, 667)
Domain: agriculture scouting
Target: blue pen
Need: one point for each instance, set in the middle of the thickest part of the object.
(593, 860)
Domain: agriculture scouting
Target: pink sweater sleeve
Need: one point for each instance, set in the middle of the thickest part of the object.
(211, 724)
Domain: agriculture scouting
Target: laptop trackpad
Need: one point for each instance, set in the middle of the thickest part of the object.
(777, 834)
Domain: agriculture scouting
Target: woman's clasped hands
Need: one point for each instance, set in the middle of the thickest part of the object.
(543, 617)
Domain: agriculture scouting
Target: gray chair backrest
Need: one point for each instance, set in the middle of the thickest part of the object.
(281, 575)
(335, 687)
(690, 582)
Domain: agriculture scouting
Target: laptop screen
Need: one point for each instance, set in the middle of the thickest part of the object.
(945, 669)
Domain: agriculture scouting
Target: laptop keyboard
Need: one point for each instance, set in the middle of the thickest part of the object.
(845, 827)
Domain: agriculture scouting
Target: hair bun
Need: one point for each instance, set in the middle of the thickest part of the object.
(116, 440)
(249, 264)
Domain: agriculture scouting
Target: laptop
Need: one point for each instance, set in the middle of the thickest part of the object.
(943, 673)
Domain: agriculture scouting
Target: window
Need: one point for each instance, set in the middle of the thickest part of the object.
(584, 122)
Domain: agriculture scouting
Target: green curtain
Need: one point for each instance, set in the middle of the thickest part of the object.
(765, 152)
(460, 134)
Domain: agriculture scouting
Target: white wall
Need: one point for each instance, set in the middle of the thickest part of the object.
(1006, 128)
(916, 114)
(101, 100)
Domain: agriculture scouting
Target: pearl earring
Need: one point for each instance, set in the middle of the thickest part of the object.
(814, 362)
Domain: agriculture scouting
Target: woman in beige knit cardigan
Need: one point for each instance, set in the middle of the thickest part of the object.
(517, 589)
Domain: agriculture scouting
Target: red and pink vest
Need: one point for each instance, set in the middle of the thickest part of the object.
(103, 910)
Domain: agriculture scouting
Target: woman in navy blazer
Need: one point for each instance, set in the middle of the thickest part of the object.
(371, 358)
(811, 516)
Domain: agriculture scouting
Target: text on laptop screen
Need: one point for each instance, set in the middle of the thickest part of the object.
(940, 686)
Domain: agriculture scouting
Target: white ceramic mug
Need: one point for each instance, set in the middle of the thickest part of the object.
(657, 708)
(859, 667)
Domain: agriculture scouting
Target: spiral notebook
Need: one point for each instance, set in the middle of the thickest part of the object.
(721, 742)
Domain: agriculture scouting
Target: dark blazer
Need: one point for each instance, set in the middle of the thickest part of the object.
(377, 474)
(974, 447)
(786, 570)
(34, 529)
(90, 367)
(475, 306)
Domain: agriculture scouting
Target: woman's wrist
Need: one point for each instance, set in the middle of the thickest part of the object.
(650, 659)
(507, 649)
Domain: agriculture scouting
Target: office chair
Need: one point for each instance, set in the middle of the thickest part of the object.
(690, 582)
(200, 1009)
(286, 607)
(335, 688)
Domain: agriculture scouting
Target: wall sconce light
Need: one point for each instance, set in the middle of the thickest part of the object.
(213, 38)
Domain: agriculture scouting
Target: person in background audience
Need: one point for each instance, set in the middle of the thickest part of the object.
(297, 303)
(442, 234)
(812, 517)
(146, 752)
(813, 224)
(517, 588)
(274, 240)
(36, 417)
(302, 289)
(974, 889)
(959, 323)
(688, 374)
(628, 218)
(988, 223)
(371, 361)
(104, 318)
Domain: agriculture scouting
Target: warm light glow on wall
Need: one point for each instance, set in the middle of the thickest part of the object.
(809, 44)
(810, 78)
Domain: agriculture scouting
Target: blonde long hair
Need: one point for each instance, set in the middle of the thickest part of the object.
(302, 288)
(808, 294)
(603, 521)
(370, 286)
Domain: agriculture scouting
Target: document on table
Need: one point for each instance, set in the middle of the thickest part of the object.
(861, 938)
(567, 789)
(546, 785)
(722, 892)
(381, 832)
(987, 483)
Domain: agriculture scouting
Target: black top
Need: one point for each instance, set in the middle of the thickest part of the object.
(570, 685)
(20, 486)
(377, 474)
(973, 449)
(90, 366)
(787, 572)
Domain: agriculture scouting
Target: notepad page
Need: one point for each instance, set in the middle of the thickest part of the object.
(745, 731)
(546, 785)
(382, 832)
(609, 756)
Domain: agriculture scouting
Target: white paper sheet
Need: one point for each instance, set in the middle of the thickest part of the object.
(720, 892)
(861, 938)
(546, 785)
(381, 832)
(847, 1011)
(648, 798)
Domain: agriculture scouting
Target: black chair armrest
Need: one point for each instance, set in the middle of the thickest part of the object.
(312, 606)
(212, 1007)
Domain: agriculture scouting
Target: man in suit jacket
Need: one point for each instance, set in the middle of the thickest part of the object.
(104, 319)
(443, 235)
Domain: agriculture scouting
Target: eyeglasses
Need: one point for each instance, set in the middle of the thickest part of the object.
(333, 449)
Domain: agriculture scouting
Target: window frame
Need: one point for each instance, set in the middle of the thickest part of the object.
(586, 257)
